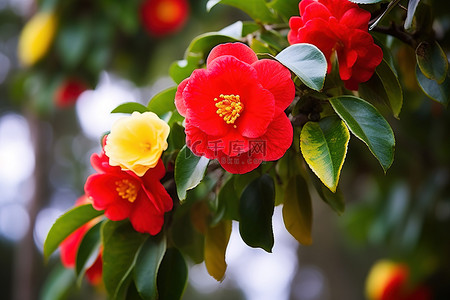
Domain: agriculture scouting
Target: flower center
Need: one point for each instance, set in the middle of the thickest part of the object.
(229, 108)
(126, 189)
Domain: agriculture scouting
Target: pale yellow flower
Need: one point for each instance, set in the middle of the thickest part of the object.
(36, 37)
(136, 142)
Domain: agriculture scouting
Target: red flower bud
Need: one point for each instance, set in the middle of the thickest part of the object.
(163, 17)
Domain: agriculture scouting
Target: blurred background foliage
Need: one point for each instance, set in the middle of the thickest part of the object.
(103, 45)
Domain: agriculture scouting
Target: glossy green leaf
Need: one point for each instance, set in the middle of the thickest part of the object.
(202, 44)
(147, 265)
(234, 30)
(297, 210)
(229, 200)
(172, 275)
(216, 242)
(256, 9)
(189, 171)
(384, 87)
(88, 251)
(324, 146)
(184, 236)
(286, 8)
(434, 90)
(390, 6)
(367, 124)
(412, 6)
(66, 224)
(163, 102)
(432, 61)
(177, 137)
(121, 245)
(182, 69)
(334, 200)
(256, 209)
(129, 108)
(307, 62)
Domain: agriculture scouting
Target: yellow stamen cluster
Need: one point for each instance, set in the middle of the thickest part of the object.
(126, 189)
(229, 108)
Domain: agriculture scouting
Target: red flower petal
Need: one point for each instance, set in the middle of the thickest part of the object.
(199, 101)
(317, 32)
(101, 188)
(278, 137)
(316, 10)
(356, 18)
(69, 247)
(277, 79)
(238, 50)
(144, 216)
(179, 100)
(303, 4)
(94, 273)
(238, 164)
(198, 141)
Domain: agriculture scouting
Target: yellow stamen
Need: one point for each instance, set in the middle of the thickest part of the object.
(229, 108)
(127, 190)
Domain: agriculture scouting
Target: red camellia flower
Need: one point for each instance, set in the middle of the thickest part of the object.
(341, 26)
(123, 194)
(69, 248)
(162, 17)
(68, 92)
(234, 108)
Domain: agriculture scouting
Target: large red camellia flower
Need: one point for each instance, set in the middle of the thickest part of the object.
(162, 17)
(123, 194)
(234, 108)
(69, 248)
(341, 26)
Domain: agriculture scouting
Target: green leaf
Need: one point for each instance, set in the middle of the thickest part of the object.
(286, 8)
(434, 90)
(129, 108)
(88, 251)
(72, 41)
(172, 275)
(367, 124)
(181, 69)
(256, 209)
(256, 9)
(324, 146)
(66, 224)
(307, 62)
(384, 87)
(177, 137)
(297, 210)
(163, 102)
(57, 284)
(229, 200)
(334, 200)
(121, 245)
(432, 61)
(147, 265)
(234, 30)
(202, 44)
(216, 242)
(189, 171)
(412, 6)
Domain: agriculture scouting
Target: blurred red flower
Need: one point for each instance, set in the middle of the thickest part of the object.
(341, 26)
(69, 248)
(68, 92)
(123, 194)
(234, 108)
(163, 17)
